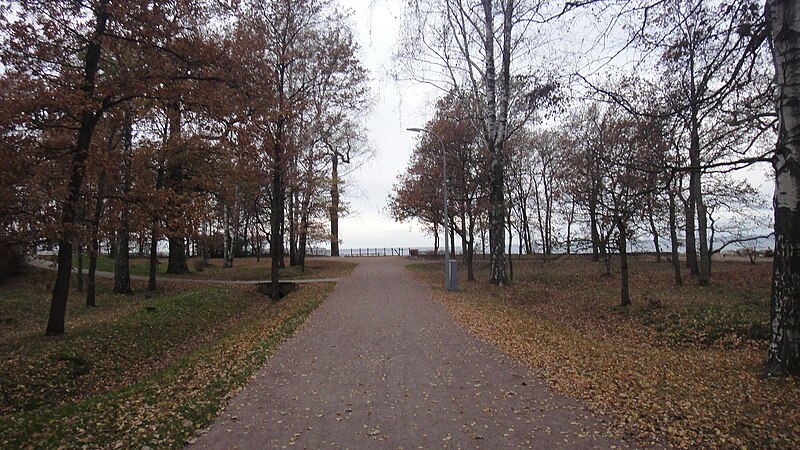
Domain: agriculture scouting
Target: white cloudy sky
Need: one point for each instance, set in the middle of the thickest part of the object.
(395, 109)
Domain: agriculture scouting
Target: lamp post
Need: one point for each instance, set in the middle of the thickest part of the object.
(450, 270)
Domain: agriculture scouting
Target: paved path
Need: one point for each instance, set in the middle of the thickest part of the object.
(380, 365)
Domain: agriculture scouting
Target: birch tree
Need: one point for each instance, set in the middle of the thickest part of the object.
(783, 20)
(473, 48)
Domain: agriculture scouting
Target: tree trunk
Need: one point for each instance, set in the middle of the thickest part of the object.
(622, 245)
(303, 240)
(696, 188)
(89, 119)
(606, 254)
(494, 131)
(469, 252)
(452, 241)
(784, 349)
(154, 236)
(91, 285)
(334, 210)
(291, 209)
(699, 266)
(122, 268)
(510, 243)
(712, 232)
(91, 290)
(79, 274)
(276, 217)
(435, 239)
(570, 219)
(525, 234)
(227, 246)
(596, 244)
(258, 242)
(177, 264)
(654, 229)
(691, 244)
(483, 242)
(548, 215)
(703, 236)
(673, 235)
(151, 279)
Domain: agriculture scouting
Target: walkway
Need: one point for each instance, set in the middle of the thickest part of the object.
(379, 365)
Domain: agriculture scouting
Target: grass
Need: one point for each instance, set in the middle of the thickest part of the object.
(137, 370)
(681, 367)
(244, 269)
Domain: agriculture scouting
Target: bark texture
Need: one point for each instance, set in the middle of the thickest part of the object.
(673, 235)
(783, 18)
(276, 216)
(227, 247)
(622, 246)
(495, 133)
(122, 270)
(177, 263)
(334, 210)
(91, 285)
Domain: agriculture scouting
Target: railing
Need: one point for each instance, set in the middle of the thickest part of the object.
(375, 252)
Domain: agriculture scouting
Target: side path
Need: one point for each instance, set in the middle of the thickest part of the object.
(379, 365)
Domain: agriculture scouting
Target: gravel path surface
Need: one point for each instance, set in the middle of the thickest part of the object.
(380, 365)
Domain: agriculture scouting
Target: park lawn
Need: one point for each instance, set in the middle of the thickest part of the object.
(141, 370)
(249, 269)
(680, 367)
(244, 269)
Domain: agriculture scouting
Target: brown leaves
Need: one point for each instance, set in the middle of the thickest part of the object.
(561, 319)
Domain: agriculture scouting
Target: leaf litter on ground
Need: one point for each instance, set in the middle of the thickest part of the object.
(681, 367)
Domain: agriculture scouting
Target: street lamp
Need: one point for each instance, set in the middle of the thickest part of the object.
(450, 268)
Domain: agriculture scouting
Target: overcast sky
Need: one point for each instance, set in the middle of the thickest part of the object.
(395, 109)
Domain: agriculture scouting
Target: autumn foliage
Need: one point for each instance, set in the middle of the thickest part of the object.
(137, 124)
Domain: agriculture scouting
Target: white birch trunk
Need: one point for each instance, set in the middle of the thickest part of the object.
(783, 18)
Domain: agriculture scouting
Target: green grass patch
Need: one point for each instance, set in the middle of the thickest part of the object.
(244, 269)
(149, 370)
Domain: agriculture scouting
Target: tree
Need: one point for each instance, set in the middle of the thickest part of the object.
(418, 193)
(627, 144)
(784, 349)
(79, 62)
(583, 171)
(711, 60)
(289, 46)
(72, 50)
(469, 47)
